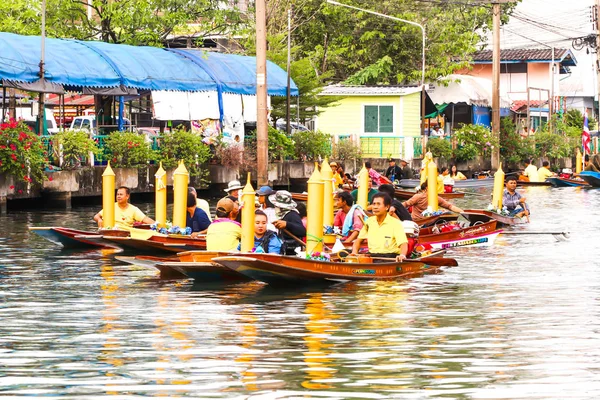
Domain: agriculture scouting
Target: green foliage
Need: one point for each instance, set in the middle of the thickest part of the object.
(280, 146)
(136, 22)
(511, 144)
(440, 148)
(312, 145)
(187, 146)
(552, 145)
(345, 42)
(473, 140)
(127, 149)
(374, 74)
(20, 150)
(309, 84)
(346, 150)
(76, 147)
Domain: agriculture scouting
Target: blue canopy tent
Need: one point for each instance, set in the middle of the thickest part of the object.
(78, 64)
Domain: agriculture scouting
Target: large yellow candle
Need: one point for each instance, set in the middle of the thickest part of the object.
(160, 190)
(181, 179)
(327, 175)
(498, 188)
(248, 198)
(432, 194)
(579, 162)
(362, 197)
(108, 197)
(314, 208)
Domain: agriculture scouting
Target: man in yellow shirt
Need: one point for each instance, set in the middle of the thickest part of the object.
(531, 171)
(544, 172)
(225, 233)
(444, 172)
(384, 233)
(125, 214)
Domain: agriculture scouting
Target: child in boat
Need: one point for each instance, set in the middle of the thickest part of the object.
(265, 239)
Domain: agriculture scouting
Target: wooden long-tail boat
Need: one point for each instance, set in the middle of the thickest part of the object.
(162, 264)
(159, 244)
(564, 182)
(407, 194)
(277, 269)
(528, 183)
(428, 221)
(475, 216)
(591, 177)
(78, 239)
(465, 183)
(199, 265)
(483, 234)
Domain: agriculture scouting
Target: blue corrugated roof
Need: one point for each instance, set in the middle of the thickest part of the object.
(80, 64)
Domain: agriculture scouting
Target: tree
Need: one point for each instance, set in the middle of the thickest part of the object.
(345, 43)
(135, 22)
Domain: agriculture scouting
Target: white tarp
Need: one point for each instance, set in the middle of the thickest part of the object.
(233, 118)
(465, 89)
(186, 106)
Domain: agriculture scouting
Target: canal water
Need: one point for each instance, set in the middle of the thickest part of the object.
(519, 320)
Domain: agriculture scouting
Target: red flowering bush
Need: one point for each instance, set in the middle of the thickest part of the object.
(21, 152)
(127, 149)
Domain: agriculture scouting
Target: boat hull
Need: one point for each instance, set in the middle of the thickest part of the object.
(527, 183)
(407, 194)
(591, 177)
(276, 269)
(428, 221)
(74, 238)
(162, 264)
(466, 183)
(158, 244)
(475, 216)
(562, 182)
(426, 235)
(481, 240)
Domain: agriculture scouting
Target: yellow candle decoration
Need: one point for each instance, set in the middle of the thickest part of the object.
(498, 188)
(432, 194)
(160, 190)
(108, 197)
(579, 162)
(327, 175)
(181, 179)
(363, 188)
(248, 210)
(314, 208)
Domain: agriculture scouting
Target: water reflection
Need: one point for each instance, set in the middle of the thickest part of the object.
(518, 320)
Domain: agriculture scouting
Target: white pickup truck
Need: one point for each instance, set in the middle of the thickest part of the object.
(88, 123)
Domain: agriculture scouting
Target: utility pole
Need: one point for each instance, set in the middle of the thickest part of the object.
(496, 85)
(595, 17)
(288, 126)
(41, 105)
(262, 133)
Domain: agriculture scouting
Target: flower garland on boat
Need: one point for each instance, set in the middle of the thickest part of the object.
(318, 256)
(171, 229)
(503, 211)
(430, 213)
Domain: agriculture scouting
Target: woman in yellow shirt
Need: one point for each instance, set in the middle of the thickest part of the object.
(456, 174)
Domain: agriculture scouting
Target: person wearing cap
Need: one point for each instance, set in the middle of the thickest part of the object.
(225, 233)
(265, 205)
(407, 172)
(289, 222)
(393, 172)
(233, 189)
(419, 203)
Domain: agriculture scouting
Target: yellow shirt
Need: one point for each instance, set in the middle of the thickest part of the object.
(532, 173)
(440, 184)
(338, 181)
(459, 176)
(223, 235)
(544, 173)
(124, 218)
(384, 238)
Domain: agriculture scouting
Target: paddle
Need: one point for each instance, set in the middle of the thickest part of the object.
(296, 238)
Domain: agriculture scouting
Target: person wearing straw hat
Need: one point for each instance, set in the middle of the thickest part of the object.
(233, 188)
(289, 222)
